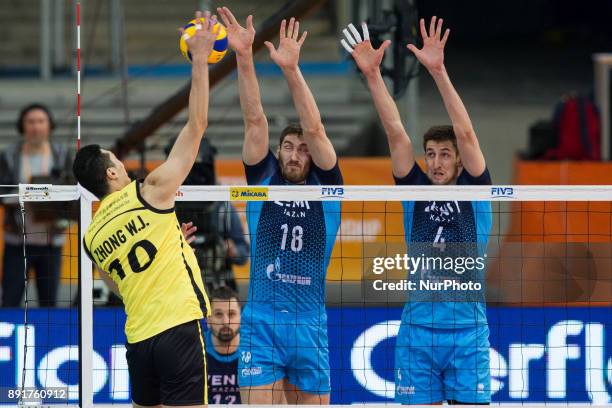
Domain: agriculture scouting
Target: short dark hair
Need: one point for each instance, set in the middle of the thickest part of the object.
(224, 293)
(89, 168)
(27, 109)
(291, 129)
(440, 134)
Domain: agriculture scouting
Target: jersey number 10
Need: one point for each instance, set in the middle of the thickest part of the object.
(135, 264)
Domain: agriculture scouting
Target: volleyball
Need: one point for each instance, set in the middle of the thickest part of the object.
(219, 48)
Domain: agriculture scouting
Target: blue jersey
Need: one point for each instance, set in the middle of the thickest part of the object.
(448, 233)
(221, 370)
(291, 242)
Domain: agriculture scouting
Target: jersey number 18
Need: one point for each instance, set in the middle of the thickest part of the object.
(296, 237)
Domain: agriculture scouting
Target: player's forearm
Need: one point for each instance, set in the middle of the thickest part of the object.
(387, 110)
(400, 145)
(198, 97)
(454, 105)
(250, 97)
(305, 104)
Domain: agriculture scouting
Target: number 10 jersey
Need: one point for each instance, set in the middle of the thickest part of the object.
(156, 271)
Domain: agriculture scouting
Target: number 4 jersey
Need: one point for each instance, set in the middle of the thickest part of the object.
(450, 237)
(291, 242)
(143, 250)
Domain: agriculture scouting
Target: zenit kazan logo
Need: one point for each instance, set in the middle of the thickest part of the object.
(248, 193)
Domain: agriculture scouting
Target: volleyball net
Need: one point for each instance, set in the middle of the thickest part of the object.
(541, 259)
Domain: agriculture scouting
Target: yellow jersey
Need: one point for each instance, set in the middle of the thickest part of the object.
(143, 250)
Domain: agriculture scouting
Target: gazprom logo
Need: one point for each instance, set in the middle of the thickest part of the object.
(502, 192)
(249, 194)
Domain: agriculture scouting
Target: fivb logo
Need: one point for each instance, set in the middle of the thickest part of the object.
(332, 192)
(502, 192)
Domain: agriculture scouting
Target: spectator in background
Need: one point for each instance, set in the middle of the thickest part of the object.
(219, 241)
(222, 341)
(34, 159)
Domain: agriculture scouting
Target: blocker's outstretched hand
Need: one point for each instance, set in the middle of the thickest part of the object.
(201, 43)
(431, 56)
(287, 55)
(367, 58)
(239, 38)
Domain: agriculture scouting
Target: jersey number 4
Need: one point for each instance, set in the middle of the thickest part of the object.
(135, 265)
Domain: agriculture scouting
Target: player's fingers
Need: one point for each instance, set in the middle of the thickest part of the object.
(290, 28)
(212, 25)
(304, 35)
(346, 46)
(270, 47)
(445, 38)
(432, 26)
(282, 32)
(384, 45)
(366, 32)
(349, 37)
(439, 29)
(423, 31)
(231, 16)
(296, 30)
(223, 16)
(198, 16)
(355, 33)
(413, 48)
(249, 22)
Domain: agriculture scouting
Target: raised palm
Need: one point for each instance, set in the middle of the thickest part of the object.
(432, 53)
(202, 41)
(367, 58)
(239, 38)
(287, 55)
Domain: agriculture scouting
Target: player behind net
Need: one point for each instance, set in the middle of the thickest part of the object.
(136, 240)
(222, 340)
(283, 344)
(442, 350)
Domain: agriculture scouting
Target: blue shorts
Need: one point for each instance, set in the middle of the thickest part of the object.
(275, 345)
(433, 365)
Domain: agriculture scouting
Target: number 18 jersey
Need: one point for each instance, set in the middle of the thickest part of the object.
(291, 242)
(143, 250)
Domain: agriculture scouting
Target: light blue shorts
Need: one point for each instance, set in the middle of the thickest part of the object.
(276, 345)
(433, 365)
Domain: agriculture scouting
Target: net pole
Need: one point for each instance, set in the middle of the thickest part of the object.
(85, 267)
(85, 311)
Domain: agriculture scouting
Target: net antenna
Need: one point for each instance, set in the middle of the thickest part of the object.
(85, 270)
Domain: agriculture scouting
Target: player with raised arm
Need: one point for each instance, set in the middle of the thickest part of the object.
(442, 350)
(283, 343)
(136, 239)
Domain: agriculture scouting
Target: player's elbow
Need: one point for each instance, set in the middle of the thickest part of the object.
(464, 133)
(315, 130)
(198, 126)
(256, 120)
